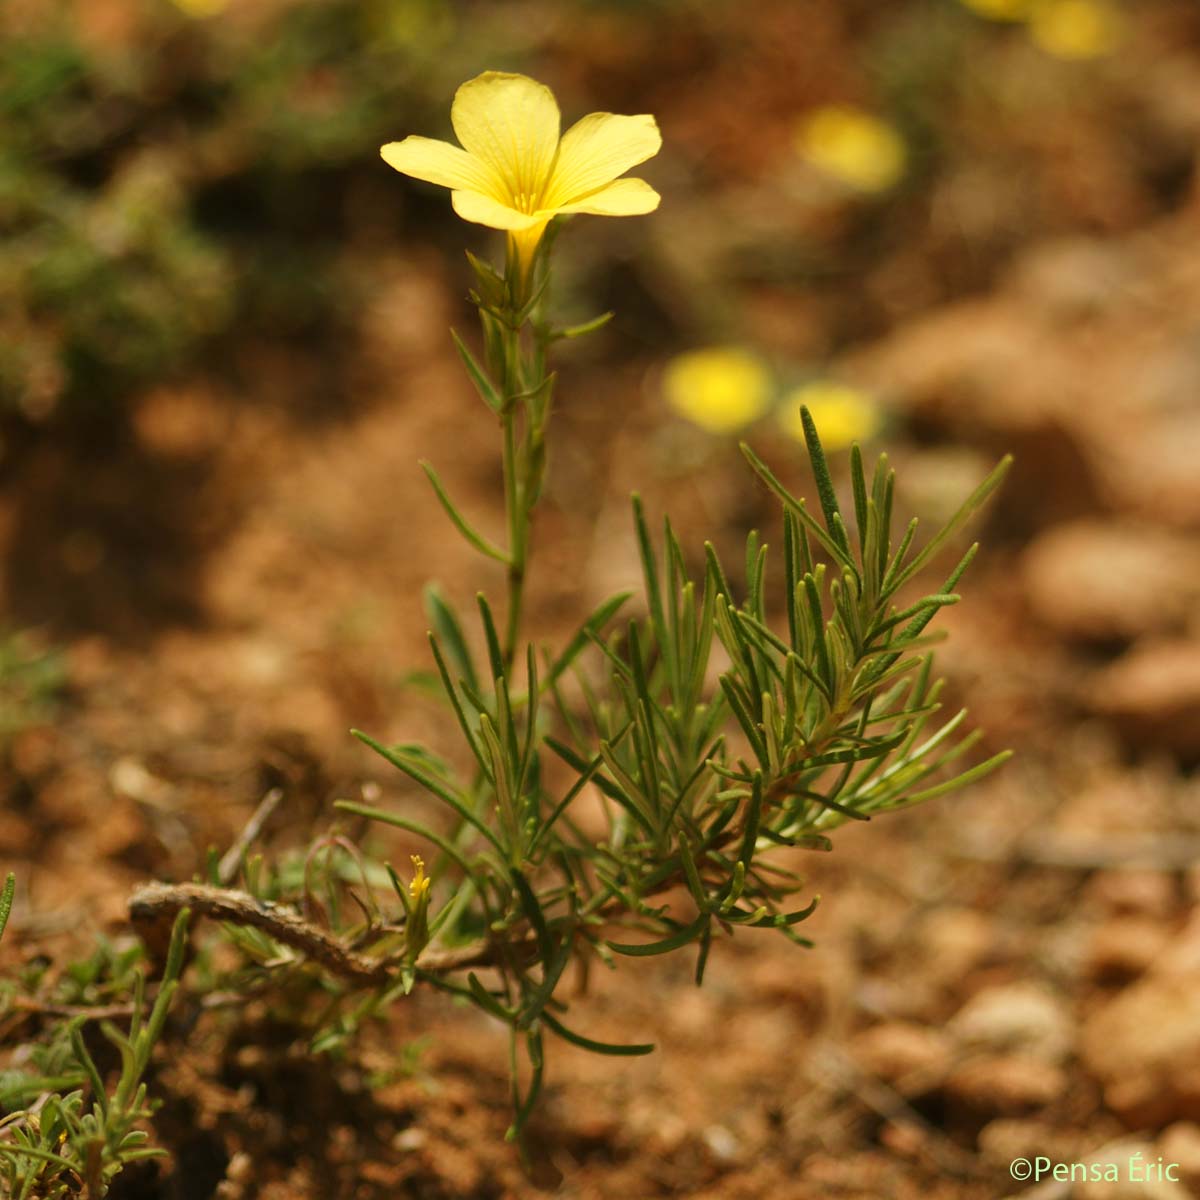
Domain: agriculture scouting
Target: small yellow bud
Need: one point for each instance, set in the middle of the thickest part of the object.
(419, 886)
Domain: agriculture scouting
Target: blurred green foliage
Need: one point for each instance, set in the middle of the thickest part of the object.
(167, 178)
(31, 679)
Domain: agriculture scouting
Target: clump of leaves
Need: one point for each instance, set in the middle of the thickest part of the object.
(62, 1130)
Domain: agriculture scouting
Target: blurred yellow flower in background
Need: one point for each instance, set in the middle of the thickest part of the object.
(721, 389)
(853, 146)
(515, 173)
(201, 8)
(841, 413)
(1075, 29)
(999, 10)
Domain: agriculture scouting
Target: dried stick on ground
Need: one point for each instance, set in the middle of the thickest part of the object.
(152, 909)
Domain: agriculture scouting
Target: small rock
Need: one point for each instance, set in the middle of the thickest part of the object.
(1181, 954)
(1020, 1016)
(1142, 892)
(911, 1058)
(128, 777)
(1073, 279)
(409, 1140)
(1152, 693)
(1005, 1085)
(1143, 1046)
(904, 1139)
(1124, 947)
(1006, 1138)
(1115, 805)
(1180, 1144)
(1127, 1170)
(955, 941)
(1103, 581)
(722, 1144)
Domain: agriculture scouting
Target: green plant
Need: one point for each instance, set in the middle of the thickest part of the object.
(64, 1144)
(826, 712)
(720, 726)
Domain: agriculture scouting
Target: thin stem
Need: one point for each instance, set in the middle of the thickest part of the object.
(515, 493)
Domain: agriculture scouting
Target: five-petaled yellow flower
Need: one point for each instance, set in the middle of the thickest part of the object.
(515, 173)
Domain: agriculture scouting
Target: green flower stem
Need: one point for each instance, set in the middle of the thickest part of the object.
(515, 493)
(523, 405)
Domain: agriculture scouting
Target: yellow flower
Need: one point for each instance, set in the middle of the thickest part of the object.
(1075, 29)
(515, 173)
(841, 413)
(419, 887)
(201, 8)
(852, 146)
(999, 10)
(720, 389)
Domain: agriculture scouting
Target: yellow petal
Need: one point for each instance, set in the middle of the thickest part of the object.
(595, 150)
(622, 198)
(483, 210)
(438, 162)
(510, 123)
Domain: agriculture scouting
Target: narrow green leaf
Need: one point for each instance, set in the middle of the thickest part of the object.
(6, 900)
(827, 802)
(572, 759)
(451, 693)
(753, 814)
(825, 490)
(487, 1001)
(495, 657)
(448, 629)
(552, 969)
(446, 846)
(959, 781)
(715, 572)
(678, 939)
(577, 1039)
(649, 573)
(913, 610)
(524, 1108)
(745, 718)
(85, 1060)
(430, 784)
(956, 522)
(834, 548)
(702, 956)
(533, 910)
(589, 629)
(816, 617)
(586, 327)
(858, 482)
(791, 574)
(485, 547)
(483, 385)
